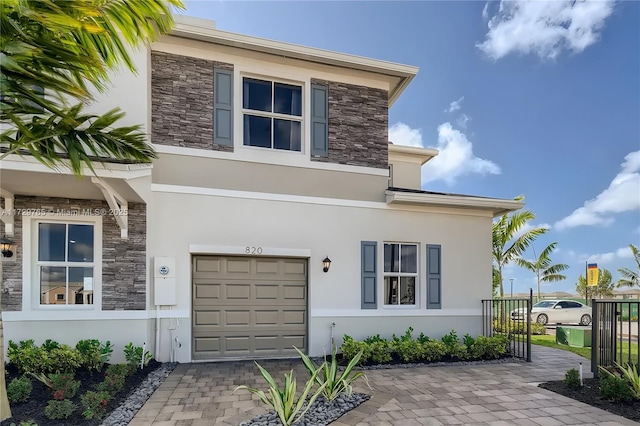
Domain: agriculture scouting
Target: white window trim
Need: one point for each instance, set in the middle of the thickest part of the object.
(270, 155)
(302, 119)
(30, 287)
(417, 275)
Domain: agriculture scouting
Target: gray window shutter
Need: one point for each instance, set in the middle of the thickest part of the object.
(434, 276)
(319, 120)
(223, 107)
(369, 275)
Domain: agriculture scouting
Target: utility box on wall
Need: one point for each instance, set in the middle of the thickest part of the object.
(164, 281)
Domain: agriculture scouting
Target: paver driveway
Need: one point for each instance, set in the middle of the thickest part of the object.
(486, 394)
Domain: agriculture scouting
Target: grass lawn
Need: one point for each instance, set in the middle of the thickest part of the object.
(550, 341)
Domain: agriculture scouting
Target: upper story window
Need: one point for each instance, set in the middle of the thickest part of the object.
(65, 263)
(272, 114)
(400, 273)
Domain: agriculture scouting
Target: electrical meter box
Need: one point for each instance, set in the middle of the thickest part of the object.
(164, 281)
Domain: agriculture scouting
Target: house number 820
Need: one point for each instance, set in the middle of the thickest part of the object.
(253, 250)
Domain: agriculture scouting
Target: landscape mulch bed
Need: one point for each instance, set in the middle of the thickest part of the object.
(33, 409)
(590, 394)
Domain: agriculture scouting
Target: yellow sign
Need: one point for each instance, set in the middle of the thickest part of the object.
(592, 274)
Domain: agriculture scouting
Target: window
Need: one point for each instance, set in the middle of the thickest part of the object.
(272, 114)
(400, 273)
(65, 263)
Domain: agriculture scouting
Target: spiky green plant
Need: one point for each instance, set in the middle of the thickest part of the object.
(284, 402)
(328, 375)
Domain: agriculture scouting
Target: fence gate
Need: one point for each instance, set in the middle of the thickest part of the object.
(614, 333)
(510, 317)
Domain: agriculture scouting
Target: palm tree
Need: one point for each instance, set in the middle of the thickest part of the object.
(508, 245)
(67, 47)
(630, 278)
(603, 289)
(542, 267)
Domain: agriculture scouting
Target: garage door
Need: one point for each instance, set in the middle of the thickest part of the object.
(246, 307)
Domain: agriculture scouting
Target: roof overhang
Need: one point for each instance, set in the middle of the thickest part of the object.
(187, 27)
(411, 154)
(118, 184)
(496, 206)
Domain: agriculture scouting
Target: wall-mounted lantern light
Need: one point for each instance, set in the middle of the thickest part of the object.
(326, 263)
(6, 245)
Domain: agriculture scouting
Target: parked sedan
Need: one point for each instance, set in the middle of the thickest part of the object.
(556, 311)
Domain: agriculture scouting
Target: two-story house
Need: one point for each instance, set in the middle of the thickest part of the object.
(277, 213)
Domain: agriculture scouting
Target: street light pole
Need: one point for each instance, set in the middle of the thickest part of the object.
(512, 280)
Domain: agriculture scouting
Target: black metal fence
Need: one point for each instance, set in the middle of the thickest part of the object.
(614, 333)
(510, 317)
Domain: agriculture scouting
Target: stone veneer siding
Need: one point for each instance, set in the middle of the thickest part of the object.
(182, 101)
(124, 262)
(358, 125)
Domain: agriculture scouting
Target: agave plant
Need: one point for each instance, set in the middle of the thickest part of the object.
(630, 373)
(327, 374)
(287, 407)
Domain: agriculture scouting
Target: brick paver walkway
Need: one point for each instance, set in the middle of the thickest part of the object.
(489, 394)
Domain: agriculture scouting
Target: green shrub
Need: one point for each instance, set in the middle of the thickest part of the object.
(468, 341)
(433, 351)
(489, 347)
(106, 349)
(423, 338)
(118, 369)
(408, 350)
(64, 386)
(450, 340)
(572, 378)
(19, 389)
(460, 352)
(614, 387)
(63, 359)
(380, 352)
(25, 423)
(112, 383)
(90, 355)
(94, 404)
(59, 410)
(350, 348)
(134, 355)
(27, 357)
(50, 345)
(629, 372)
(374, 339)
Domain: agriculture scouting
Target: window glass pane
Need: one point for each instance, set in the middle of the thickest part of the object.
(80, 243)
(257, 131)
(287, 135)
(407, 290)
(390, 290)
(53, 285)
(80, 286)
(256, 94)
(288, 99)
(51, 242)
(391, 258)
(409, 259)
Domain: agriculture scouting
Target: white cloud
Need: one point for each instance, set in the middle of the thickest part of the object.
(544, 28)
(605, 258)
(456, 158)
(485, 11)
(622, 195)
(529, 226)
(463, 120)
(456, 153)
(401, 134)
(455, 105)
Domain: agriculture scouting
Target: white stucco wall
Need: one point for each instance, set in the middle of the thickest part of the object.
(178, 221)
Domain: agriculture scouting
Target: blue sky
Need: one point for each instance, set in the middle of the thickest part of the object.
(534, 98)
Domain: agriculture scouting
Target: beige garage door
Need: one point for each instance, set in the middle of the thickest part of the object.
(245, 306)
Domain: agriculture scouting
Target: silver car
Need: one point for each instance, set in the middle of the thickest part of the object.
(557, 312)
